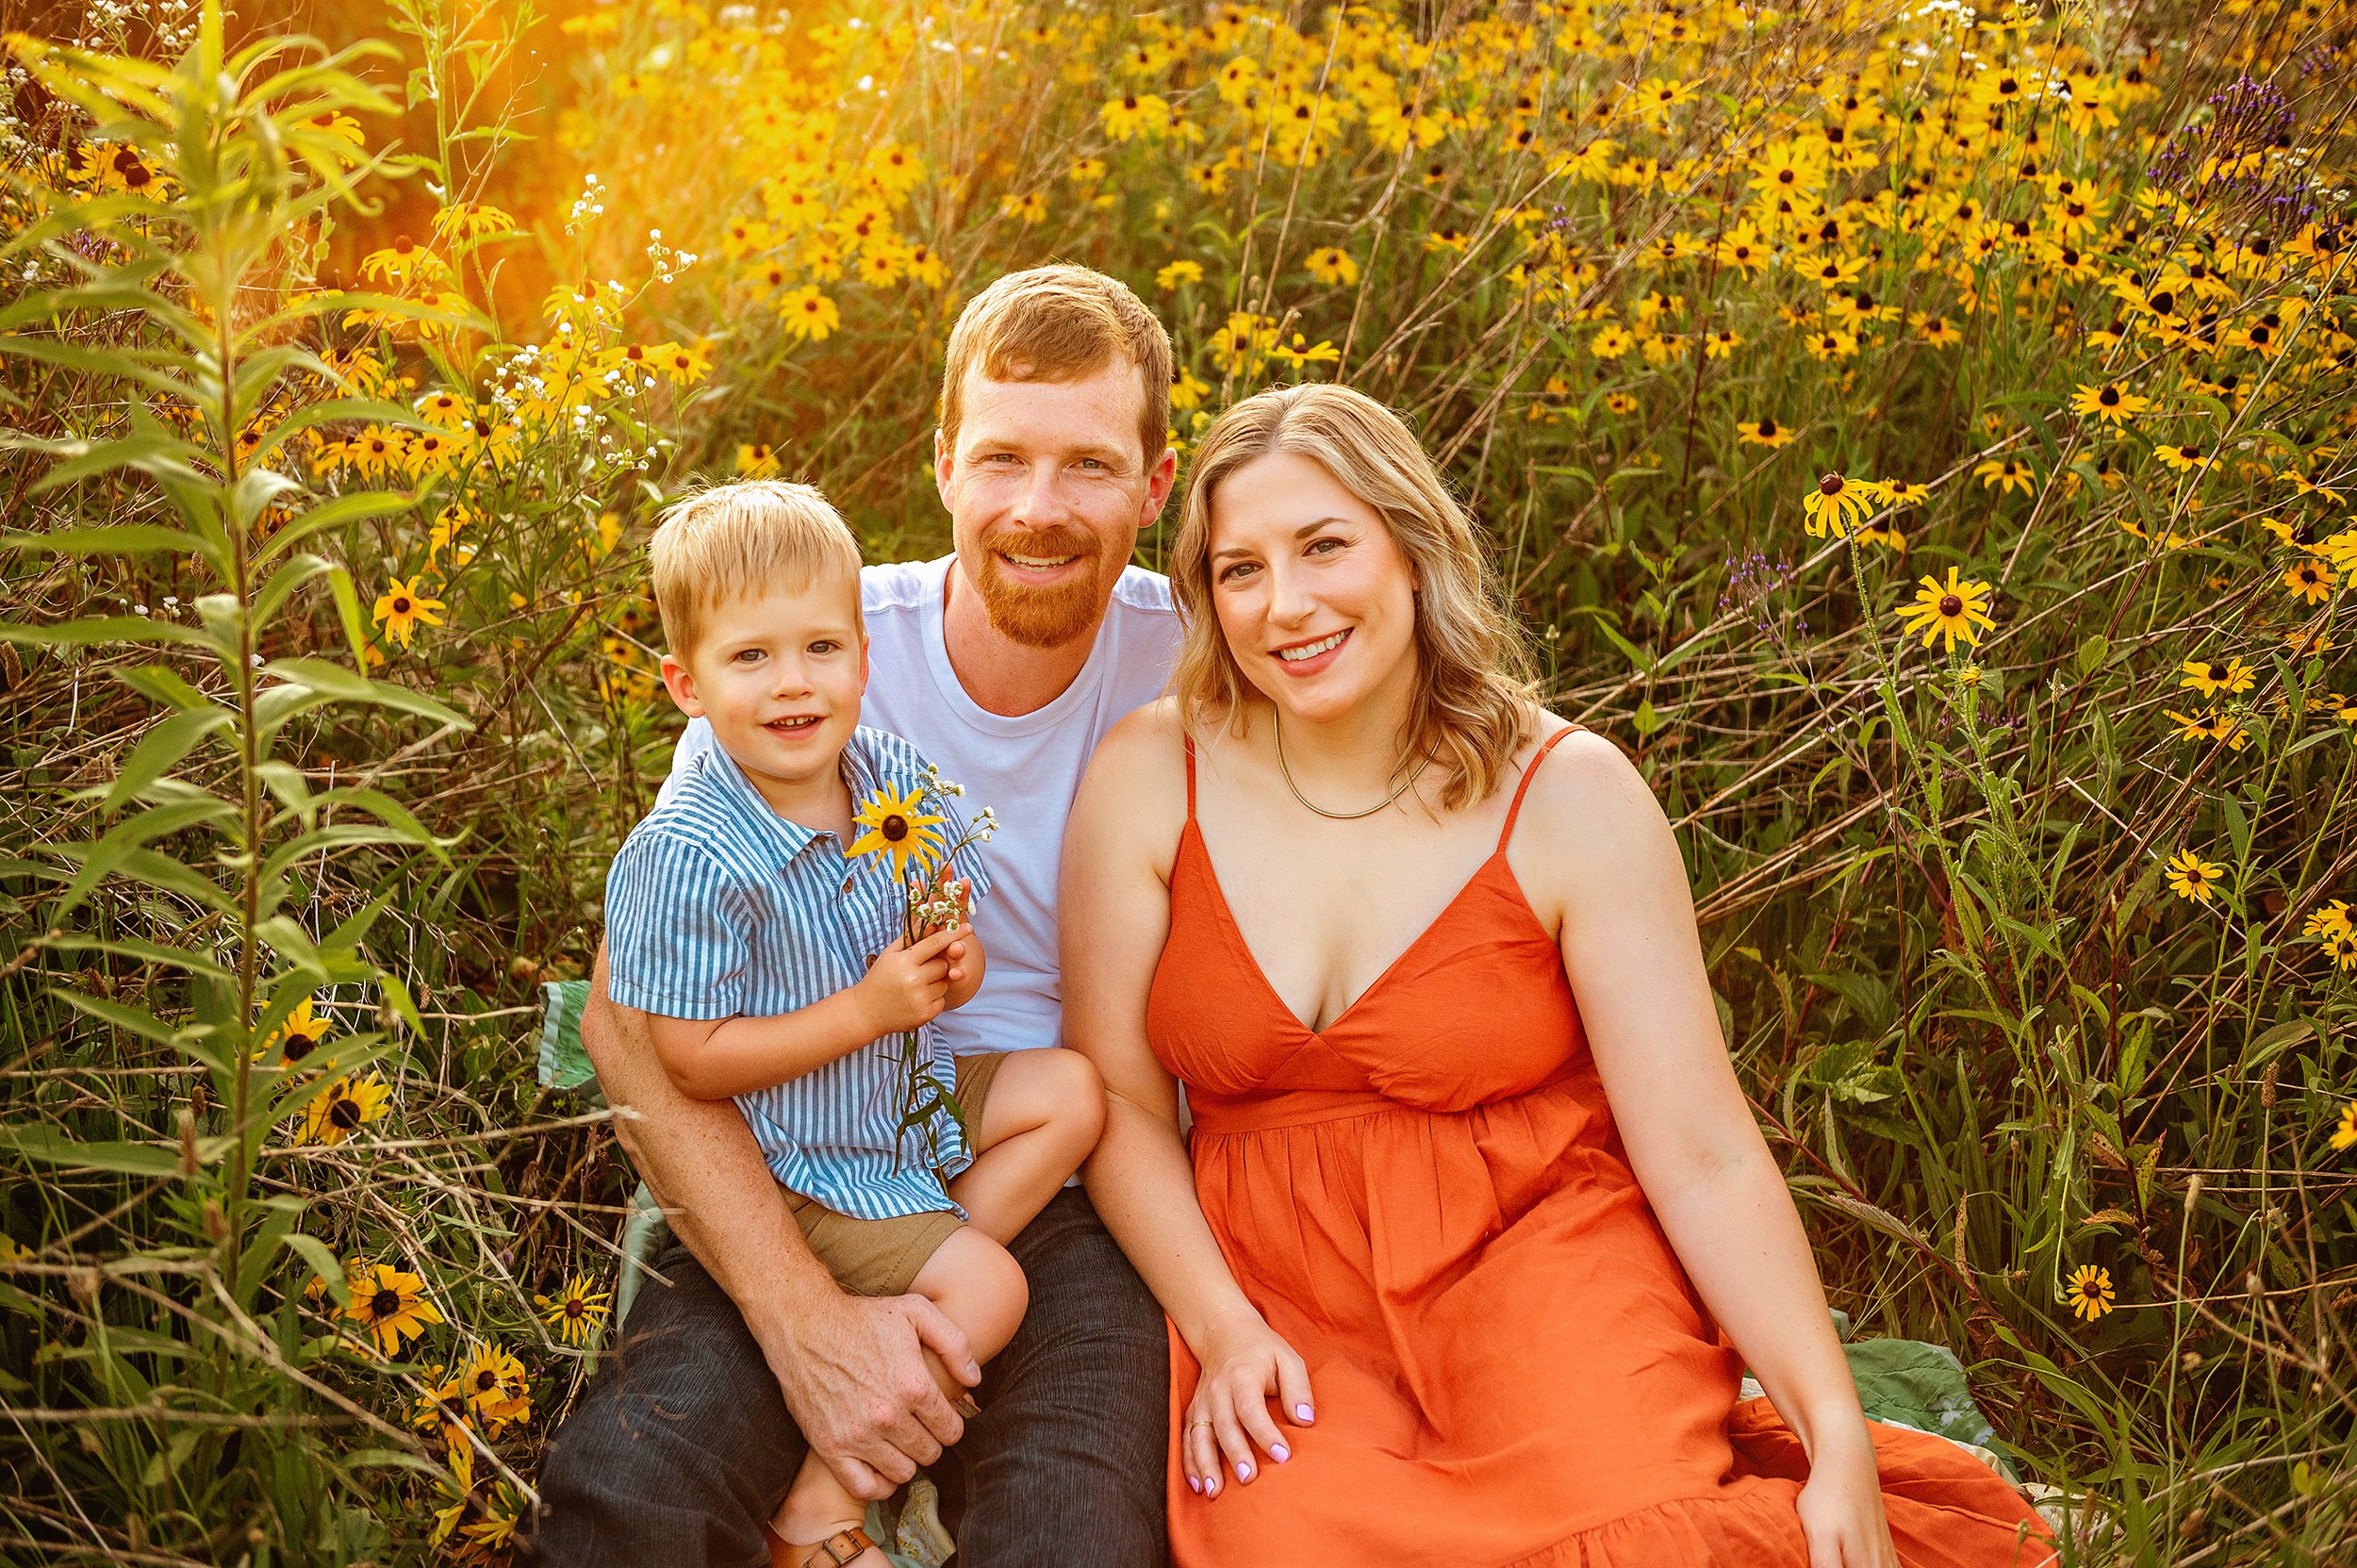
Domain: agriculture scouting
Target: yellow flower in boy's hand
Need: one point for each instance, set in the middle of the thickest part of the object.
(899, 825)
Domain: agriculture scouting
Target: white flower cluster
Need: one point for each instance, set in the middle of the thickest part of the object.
(668, 264)
(588, 207)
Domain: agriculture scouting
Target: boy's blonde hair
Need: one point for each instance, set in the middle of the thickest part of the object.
(734, 541)
(1059, 323)
(1477, 697)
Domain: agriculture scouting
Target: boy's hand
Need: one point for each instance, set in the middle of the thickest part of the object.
(907, 986)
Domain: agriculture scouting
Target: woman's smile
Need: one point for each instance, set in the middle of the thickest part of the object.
(1308, 658)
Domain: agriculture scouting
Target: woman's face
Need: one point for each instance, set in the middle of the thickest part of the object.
(1316, 600)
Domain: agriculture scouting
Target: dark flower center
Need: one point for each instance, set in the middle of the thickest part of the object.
(485, 1380)
(344, 1113)
(401, 604)
(2217, 671)
(1830, 484)
(575, 1308)
(893, 828)
(385, 1303)
(2108, 397)
(1767, 428)
(1949, 606)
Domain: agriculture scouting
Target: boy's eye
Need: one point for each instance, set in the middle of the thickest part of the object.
(748, 655)
(824, 645)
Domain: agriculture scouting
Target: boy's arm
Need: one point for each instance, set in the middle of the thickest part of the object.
(718, 1058)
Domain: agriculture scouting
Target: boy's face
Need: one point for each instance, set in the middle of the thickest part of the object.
(779, 674)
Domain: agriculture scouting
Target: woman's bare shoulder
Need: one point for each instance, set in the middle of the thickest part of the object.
(1136, 784)
(1593, 812)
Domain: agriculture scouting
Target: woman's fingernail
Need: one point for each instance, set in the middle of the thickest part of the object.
(1244, 1472)
(1211, 1489)
(1303, 1412)
(1194, 1483)
(1280, 1453)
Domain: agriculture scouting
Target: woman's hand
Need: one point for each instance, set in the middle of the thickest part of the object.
(1841, 1507)
(1244, 1361)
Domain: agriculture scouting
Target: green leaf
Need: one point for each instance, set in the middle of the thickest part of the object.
(162, 683)
(344, 686)
(131, 538)
(130, 834)
(50, 1147)
(163, 747)
(348, 610)
(333, 513)
(140, 949)
(2091, 653)
(323, 1262)
(2237, 828)
(104, 629)
(131, 1020)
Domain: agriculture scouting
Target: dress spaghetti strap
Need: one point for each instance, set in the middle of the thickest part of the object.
(1511, 811)
(1190, 740)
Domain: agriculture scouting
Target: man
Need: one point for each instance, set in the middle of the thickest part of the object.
(1004, 662)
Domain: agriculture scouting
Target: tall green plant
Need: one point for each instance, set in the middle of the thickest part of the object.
(178, 292)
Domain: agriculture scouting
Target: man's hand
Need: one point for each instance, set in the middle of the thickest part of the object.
(852, 1368)
(908, 985)
(855, 1378)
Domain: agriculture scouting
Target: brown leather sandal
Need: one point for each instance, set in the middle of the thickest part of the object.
(841, 1547)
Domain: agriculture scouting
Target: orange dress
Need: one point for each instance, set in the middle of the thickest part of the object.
(1430, 1201)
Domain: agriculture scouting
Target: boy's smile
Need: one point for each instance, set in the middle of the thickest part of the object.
(779, 673)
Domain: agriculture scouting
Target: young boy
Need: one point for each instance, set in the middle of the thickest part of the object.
(777, 968)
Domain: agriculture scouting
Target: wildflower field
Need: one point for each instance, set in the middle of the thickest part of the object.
(1926, 439)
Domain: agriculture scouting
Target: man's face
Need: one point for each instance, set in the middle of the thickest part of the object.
(1046, 488)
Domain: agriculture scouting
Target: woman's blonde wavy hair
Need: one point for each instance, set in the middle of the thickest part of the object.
(1477, 701)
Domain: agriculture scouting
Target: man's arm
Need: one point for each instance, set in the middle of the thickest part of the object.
(851, 1368)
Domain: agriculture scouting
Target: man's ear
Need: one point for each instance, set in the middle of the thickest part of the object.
(945, 465)
(1158, 479)
(682, 686)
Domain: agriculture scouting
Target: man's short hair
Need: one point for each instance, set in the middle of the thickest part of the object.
(732, 541)
(1059, 323)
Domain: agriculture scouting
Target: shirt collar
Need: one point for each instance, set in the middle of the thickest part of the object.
(791, 839)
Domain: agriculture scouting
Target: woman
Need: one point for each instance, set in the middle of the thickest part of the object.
(1478, 1241)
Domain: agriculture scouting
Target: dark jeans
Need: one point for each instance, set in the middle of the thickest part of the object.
(683, 1447)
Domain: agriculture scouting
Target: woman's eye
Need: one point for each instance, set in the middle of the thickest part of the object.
(1238, 570)
(1323, 545)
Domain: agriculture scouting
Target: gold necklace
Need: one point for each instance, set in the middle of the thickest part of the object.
(1277, 723)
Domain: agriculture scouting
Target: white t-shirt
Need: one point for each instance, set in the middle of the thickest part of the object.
(1029, 767)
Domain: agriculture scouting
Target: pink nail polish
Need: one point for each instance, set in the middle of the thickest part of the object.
(1280, 1453)
(1194, 1483)
(1244, 1472)
(1304, 1413)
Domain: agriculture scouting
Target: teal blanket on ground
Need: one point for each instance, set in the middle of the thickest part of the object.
(1903, 1381)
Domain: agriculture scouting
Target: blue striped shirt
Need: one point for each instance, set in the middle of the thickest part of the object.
(717, 907)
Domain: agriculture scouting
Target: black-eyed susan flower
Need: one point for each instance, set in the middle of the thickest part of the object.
(576, 1311)
(2191, 877)
(1134, 114)
(2325, 919)
(2309, 582)
(2209, 725)
(1333, 267)
(1836, 504)
(2090, 1291)
(2110, 401)
(343, 1108)
(1956, 610)
(808, 314)
(2183, 456)
(1178, 272)
(2006, 474)
(2210, 677)
(496, 1388)
(1763, 432)
(401, 607)
(899, 827)
(390, 1303)
(756, 460)
(299, 1036)
(1939, 331)
(2344, 1135)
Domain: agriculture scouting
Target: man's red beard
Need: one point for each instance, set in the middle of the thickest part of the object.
(1048, 614)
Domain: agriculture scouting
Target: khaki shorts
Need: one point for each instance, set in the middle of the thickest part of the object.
(882, 1257)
